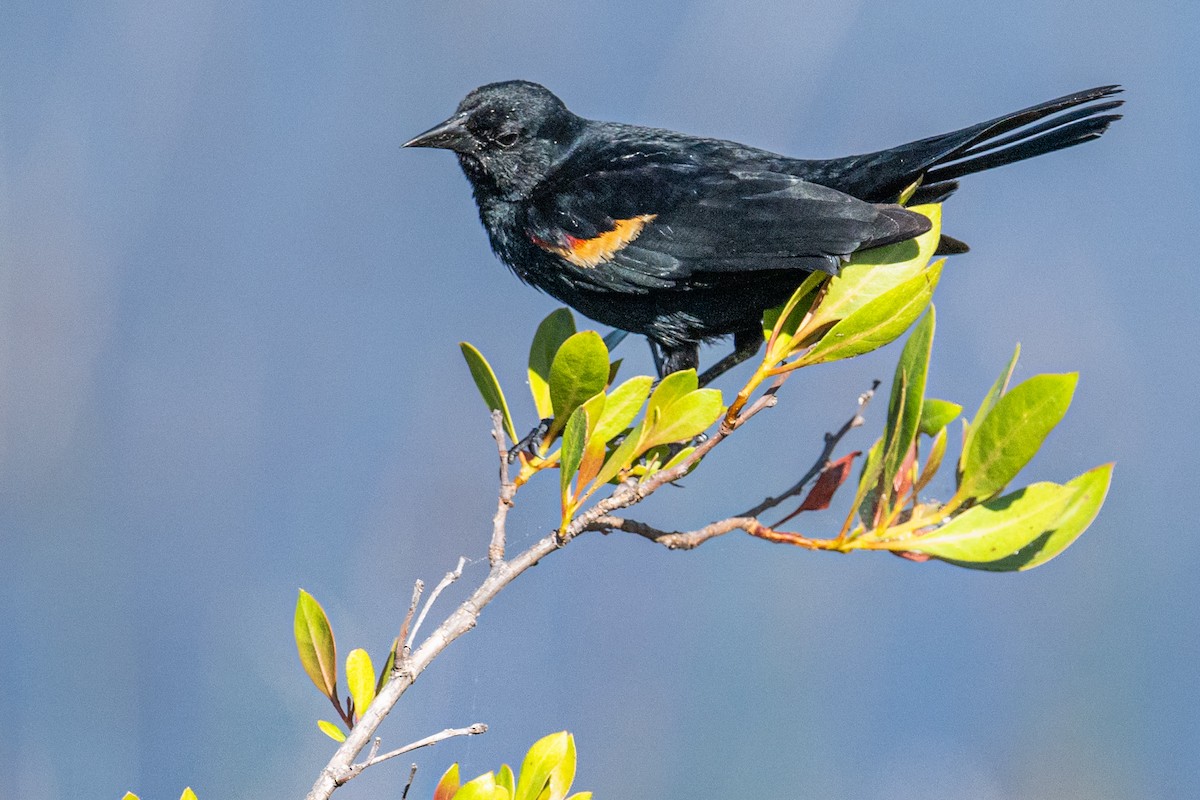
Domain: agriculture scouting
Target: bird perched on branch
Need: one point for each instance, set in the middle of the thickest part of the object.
(685, 239)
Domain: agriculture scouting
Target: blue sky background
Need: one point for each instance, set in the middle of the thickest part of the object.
(229, 315)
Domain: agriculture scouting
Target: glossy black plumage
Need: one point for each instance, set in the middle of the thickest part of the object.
(684, 239)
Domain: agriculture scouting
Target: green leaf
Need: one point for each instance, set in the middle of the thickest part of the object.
(1012, 432)
(542, 759)
(1090, 490)
(988, 535)
(482, 788)
(670, 389)
(990, 399)
(385, 674)
(878, 322)
(130, 796)
(551, 333)
(622, 457)
(578, 373)
(780, 324)
(937, 414)
(581, 796)
(563, 775)
(489, 387)
(331, 730)
(908, 396)
(506, 779)
(574, 439)
(866, 498)
(686, 417)
(188, 794)
(622, 407)
(447, 785)
(933, 462)
(872, 273)
(360, 678)
(314, 641)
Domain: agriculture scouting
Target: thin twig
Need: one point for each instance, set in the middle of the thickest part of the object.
(505, 500)
(831, 442)
(428, 741)
(412, 773)
(447, 579)
(354, 770)
(402, 639)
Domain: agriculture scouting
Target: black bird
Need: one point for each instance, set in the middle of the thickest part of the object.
(685, 239)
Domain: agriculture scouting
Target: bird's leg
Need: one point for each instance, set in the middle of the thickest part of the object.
(669, 359)
(745, 345)
(529, 442)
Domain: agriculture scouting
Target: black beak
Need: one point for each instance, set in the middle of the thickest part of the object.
(449, 135)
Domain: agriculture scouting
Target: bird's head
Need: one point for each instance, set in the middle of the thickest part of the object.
(507, 136)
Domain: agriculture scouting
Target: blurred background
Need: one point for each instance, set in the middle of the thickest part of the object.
(229, 315)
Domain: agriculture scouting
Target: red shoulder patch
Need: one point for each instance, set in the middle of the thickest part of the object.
(588, 253)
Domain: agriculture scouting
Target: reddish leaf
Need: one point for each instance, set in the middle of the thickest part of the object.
(828, 482)
(920, 558)
(902, 483)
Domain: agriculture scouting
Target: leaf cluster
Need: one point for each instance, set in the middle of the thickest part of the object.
(546, 774)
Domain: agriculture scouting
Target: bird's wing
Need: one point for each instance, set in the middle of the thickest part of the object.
(650, 224)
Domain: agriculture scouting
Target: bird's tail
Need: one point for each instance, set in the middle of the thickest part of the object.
(939, 160)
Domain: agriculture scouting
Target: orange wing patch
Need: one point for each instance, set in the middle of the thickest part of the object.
(588, 253)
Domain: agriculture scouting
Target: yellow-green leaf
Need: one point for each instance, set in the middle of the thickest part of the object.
(448, 785)
(331, 730)
(385, 674)
(908, 396)
(780, 324)
(360, 679)
(622, 407)
(130, 796)
(482, 788)
(988, 535)
(686, 417)
(937, 414)
(1090, 490)
(188, 794)
(1012, 432)
(878, 322)
(551, 333)
(579, 372)
(990, 399)
(314, 642)
(872, 273)
(489, 387)
(506, 779)
(573, 442)
(542, 759)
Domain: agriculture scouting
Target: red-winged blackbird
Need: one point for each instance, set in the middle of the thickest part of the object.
(685, 239)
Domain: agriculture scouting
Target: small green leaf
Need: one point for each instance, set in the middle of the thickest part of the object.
(1090, 490)
(866, 498)
(563, 775)
(579, 372)
(314, 641)
(188, 794)
(880, 321)
(385, 674)
(482, 788)
(872, 273)
(937, 414)
(621, 458)
(908, 396)
(670, 389)
(990, 399)
(448, 785)
(551, 333)
(573, 442)
(360, 679)
(331, 730)
(622, 407)
(506, 779)
(780, 324)
(542, 759)
(988, 535)
(686, 417)
(1012, 432)
(933, 462)
(489, 387)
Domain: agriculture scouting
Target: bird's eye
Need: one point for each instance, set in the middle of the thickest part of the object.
(507, 138)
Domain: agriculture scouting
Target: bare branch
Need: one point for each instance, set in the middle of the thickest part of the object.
(412, 773)
(831, 442)
(507, 490)
(402, 640)
(447, 579)
(354, 770)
